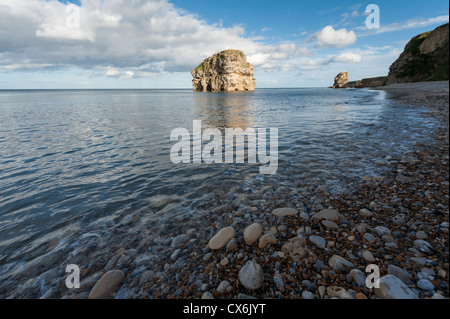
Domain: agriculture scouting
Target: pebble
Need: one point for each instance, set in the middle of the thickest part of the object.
(400, 273)
(282, 212)
(438, 296)
(279, 283)
(322, 290)
(339, 263)
(338, 292)
(367, 255)
(251, 275)
(223, 286)
(381, 231)
(232, 244)
(365, 212)
(304, 216)
(358, 277)
(423, 245)
(328, 214)
(221, 238)
(175, 254)
(307, 295)
(318, 241)
(369, 237)
(421, 235)
(252, 233)
(177, 241)
(330, 224)
(393, 288)
(425, 284)
(207, 295)
(107, 284)
(398, 220)
(360, 295)
(224, 261)
(266, 239)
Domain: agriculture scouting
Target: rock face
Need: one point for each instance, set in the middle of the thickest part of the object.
(341, 80)
(368, 82)
(224, 72)
(425, 58)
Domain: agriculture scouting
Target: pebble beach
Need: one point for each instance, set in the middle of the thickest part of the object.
(290, 241)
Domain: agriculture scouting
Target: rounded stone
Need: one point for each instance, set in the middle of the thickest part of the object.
(107, 284)
(266, 239)
(425, 284)
(328, 214)
(307, 295)
(330, 224)
(365, 212)
(251, 276)
(390, 287)
(221, 238)
(338, 292)
(318, 241)
(367, 255)
(282, 212)
(252, 233)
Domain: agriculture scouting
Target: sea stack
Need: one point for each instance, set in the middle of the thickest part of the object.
(341, 80)
(225, 71)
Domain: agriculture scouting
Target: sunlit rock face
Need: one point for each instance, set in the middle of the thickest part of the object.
(224, 72)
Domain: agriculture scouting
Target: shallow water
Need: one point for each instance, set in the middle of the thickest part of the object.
(72, 161)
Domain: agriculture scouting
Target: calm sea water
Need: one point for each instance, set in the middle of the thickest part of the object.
(73, 159)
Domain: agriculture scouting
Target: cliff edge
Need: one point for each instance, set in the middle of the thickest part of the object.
(425, 58)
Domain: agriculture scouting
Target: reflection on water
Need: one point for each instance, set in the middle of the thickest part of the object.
(225, 110)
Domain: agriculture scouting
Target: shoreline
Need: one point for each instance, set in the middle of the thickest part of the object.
(393, 216)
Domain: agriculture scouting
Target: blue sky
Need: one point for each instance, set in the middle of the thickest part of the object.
(155, 43)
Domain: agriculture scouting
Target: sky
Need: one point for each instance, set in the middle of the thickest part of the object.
(49, 44)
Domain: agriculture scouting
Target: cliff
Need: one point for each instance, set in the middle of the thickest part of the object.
(425, 58)
(225, 71)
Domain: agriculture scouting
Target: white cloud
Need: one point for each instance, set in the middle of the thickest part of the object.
(405, 25)
(347, 57)
(328, 37)
(123, 39)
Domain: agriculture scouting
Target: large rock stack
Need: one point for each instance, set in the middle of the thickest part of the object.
(225, 71)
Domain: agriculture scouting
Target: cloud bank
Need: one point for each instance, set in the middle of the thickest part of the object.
(130, 39)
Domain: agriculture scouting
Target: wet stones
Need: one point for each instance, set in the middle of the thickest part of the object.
(107, 284)
(221, 238)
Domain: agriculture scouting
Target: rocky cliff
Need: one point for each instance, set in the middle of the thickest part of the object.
(425, 58)
(225, 71)
(341, 80)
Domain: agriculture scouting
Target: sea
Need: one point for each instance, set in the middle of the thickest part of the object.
(74, 161)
